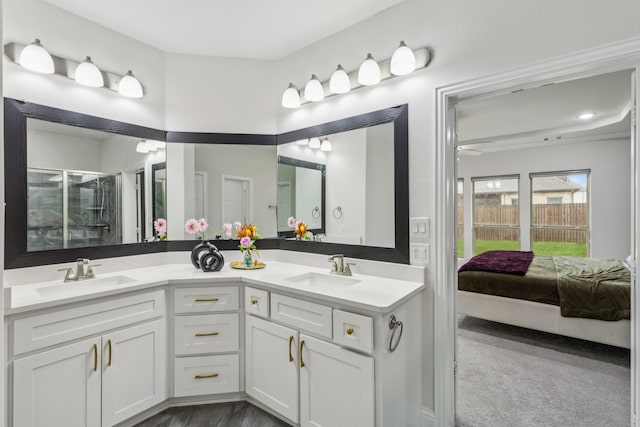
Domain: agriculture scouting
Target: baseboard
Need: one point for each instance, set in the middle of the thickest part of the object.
(428, 418)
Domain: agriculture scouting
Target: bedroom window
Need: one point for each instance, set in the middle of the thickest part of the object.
(460, 218)
(560, 213)
(496, 219)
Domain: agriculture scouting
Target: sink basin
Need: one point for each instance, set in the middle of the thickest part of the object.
(320, 279)
(84, 285)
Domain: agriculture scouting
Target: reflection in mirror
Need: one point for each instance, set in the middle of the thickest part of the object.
(159, 196)
(301, 190)
(222, 183)
(82, 187)
(360, 203)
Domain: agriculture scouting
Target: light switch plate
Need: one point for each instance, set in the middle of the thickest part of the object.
(420, 227)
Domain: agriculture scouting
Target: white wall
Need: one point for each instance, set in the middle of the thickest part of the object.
(60, 151)
(469, 39)
(610, 212)
(69, 36)
(379, 189)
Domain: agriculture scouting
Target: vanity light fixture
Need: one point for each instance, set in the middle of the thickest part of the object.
(291, 97)
(313, 90)
(130, 86)
(159, 145)
(142, 147)
(403, 61)
(36, 58)
(302, 142)
(88, 74)
(339, 82)
(369, 72)
(326, 145)
(314, 142)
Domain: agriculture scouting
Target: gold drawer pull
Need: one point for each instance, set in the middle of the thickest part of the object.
(95, 357)
(110, 352)
(290, 354)
(301, 347)
(254, 301)
(202, 377)
(207, 299)
(207, 334)
(349, 331)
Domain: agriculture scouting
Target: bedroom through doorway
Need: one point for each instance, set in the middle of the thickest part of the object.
(545, 169)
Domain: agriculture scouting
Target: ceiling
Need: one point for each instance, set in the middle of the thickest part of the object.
(255, 29)
(547, 115)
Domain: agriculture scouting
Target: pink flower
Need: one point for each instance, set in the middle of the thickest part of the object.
(291, 222)
(160, 225)
(227, 230)
(238, 224)
(245, 242)
(191, 226)
(202, 224)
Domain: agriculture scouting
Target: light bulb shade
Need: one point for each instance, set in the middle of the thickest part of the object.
(326, 145)
(142, 147)
(313, 90)
(130, 86)
(291, 97)
(314, 142)
(339, 82)
(302, 142)
(36, 58)
(88, 74)
(403, 61)
(369, 72)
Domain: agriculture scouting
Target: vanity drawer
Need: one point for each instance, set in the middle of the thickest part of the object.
(206, 375)
(35, 332)
(211, 333)
(206, 299)
(353, 330)
(301, 314)
(256, 301)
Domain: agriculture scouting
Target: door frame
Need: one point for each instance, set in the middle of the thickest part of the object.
(619, 56)
(249, 194)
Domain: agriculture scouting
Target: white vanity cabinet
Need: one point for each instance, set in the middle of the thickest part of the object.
(319, 365)
(115, 373)
(206, 340)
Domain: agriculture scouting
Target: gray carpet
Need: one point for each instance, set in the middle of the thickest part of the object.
(510, 376)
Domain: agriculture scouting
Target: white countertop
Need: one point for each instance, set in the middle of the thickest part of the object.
(372, 293)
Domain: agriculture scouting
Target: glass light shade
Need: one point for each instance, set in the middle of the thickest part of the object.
(142, 147)
(313, 90)
(369, 72)
(302, 142)
(339, 82)
(130, 86)
(291, 97)
(36, 58)
(326, 145)
(88, 74)
(403, 61)
(314, 142)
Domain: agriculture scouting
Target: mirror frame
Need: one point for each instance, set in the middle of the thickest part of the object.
(17, 112)
(282, 160)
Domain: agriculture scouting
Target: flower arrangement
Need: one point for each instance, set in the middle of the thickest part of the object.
(248, 234)
(160, 228)
(300, 229)
(196, 226)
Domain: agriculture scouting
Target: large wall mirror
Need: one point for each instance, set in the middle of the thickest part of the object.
(71, 192)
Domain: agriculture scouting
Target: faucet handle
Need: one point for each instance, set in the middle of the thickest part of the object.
(334, 265)
(347, 269)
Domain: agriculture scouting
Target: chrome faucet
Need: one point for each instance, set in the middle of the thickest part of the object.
(83, 271)
(339, 266)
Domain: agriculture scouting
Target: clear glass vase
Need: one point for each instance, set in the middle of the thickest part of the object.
(248, 258)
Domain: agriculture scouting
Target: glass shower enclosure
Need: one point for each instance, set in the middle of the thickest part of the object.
(68, 209)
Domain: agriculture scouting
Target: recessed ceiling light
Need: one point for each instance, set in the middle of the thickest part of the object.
(586, 116)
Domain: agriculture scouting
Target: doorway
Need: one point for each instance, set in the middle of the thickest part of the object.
(609, 59)
(236, 199)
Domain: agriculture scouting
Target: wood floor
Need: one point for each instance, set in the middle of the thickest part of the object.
(233, 414)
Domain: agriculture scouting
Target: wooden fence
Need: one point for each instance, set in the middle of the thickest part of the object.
(501, 217)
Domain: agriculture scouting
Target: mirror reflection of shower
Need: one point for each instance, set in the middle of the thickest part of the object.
(68, 209)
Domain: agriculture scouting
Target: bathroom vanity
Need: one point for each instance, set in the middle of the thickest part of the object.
(311, 347)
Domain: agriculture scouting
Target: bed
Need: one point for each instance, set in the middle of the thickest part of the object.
(584, 298)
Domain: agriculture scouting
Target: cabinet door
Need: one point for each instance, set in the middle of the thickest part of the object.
(58, 388)
(336, 386)
(134, 370)
(271, 366)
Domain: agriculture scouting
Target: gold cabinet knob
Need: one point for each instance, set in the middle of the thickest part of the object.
(254, 301)
(349, 331)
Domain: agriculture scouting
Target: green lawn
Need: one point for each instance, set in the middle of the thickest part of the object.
(539, 248)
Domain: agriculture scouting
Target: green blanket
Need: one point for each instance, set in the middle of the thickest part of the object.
(593, 288)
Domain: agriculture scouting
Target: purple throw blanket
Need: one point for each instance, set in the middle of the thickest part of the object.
(508, 262)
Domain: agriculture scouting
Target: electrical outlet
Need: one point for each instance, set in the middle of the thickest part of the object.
(419, 253)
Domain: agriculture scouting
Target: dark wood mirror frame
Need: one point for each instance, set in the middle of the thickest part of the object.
(17, 112)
